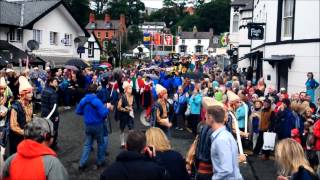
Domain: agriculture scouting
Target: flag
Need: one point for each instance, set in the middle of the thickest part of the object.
(146, 38)
(156, 39)
(168, 40)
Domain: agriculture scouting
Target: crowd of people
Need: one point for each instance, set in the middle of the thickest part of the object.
(230, 113)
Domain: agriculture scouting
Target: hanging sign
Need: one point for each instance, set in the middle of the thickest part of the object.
(255, 32)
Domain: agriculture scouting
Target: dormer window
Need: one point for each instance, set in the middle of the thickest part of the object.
(108, 25)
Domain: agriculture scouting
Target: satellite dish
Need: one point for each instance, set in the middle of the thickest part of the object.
(80, 41)
(33, 45)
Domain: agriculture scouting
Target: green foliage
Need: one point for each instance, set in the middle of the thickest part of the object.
(79, 9)
(134, 35)
(130, 8)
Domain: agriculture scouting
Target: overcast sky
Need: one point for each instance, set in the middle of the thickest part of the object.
(153, 3)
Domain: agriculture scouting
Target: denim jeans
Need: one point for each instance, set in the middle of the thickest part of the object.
(93, 132)
(105, 136)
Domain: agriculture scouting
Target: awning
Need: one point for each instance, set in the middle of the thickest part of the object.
(55, 61)
(13, 55)
(280, 59)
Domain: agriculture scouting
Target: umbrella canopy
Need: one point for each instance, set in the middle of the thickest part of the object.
(79, 63)
(71, 67)
(106, 64)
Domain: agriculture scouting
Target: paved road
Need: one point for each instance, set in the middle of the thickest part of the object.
(71, 140)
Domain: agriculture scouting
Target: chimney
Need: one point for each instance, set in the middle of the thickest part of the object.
(91, 18)
(194, 31)
(107, 18)
(122, 19)
(179, 30)
(211, 30)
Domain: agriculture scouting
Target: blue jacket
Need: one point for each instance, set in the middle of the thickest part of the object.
(195, 104)
(180, 104)
(240, 114)
(286, 122)
(104, 95)
(93, 110)
(177, 81)
(166, 83)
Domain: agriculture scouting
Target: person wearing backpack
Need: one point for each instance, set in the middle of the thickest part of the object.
(125, 108)
(94, 112)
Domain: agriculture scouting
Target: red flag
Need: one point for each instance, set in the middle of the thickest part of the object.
(168, 40)
(156, 39)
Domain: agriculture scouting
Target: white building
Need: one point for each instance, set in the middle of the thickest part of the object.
(49, 22)
(291, 43)
(92, 49)
(195, 42)
(240, 15)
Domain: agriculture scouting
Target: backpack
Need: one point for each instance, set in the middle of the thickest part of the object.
(153, 116)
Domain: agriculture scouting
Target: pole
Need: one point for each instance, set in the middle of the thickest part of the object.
(120, 51)
(151, 47)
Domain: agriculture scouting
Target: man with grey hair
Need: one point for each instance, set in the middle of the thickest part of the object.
(34, 159)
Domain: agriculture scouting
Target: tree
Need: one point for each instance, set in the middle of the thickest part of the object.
(215, 14)
(130, 8)
(80, 10)
(134, 35)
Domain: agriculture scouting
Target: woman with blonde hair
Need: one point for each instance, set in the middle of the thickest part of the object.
(293, 165)
(171, 160)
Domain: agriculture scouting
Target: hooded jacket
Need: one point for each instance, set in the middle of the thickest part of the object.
(131, 165)
(34, 161)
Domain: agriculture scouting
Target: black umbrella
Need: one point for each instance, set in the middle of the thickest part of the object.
(81, 64)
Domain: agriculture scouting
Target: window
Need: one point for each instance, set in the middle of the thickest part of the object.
(235, 24)
(183, 48)
(183, 41)
(37, 35)
(107, 34)
(98, 35)
(105, 44)
(67, 39)
(91, 49)
(287, 17)
(15, 35)
(198, 49)
(53, 38)
(199, 41)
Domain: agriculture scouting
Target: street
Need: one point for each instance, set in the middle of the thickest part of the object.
(71, 139)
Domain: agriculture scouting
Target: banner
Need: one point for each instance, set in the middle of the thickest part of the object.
(156, 39)
(168, 40)
(146, 38)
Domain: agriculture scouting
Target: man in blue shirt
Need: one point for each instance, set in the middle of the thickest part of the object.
(224, 149)
(94, 112)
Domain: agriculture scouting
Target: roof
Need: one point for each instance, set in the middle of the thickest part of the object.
(248, 7)
(7, 50)
(199, 35)
(27, 12)
(55, 61)
(22, 13)
(240, 2)
(100, 24)
(157, 23)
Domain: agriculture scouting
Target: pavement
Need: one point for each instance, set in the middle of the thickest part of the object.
(71, 139)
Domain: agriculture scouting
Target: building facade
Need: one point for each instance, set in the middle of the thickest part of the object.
(291, 44)
(110, 33)
(49, 23)
(195, 42)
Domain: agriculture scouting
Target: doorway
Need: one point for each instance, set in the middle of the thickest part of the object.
(282, 75)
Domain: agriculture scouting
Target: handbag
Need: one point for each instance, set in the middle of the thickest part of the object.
(187, 113)
(269, 140)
